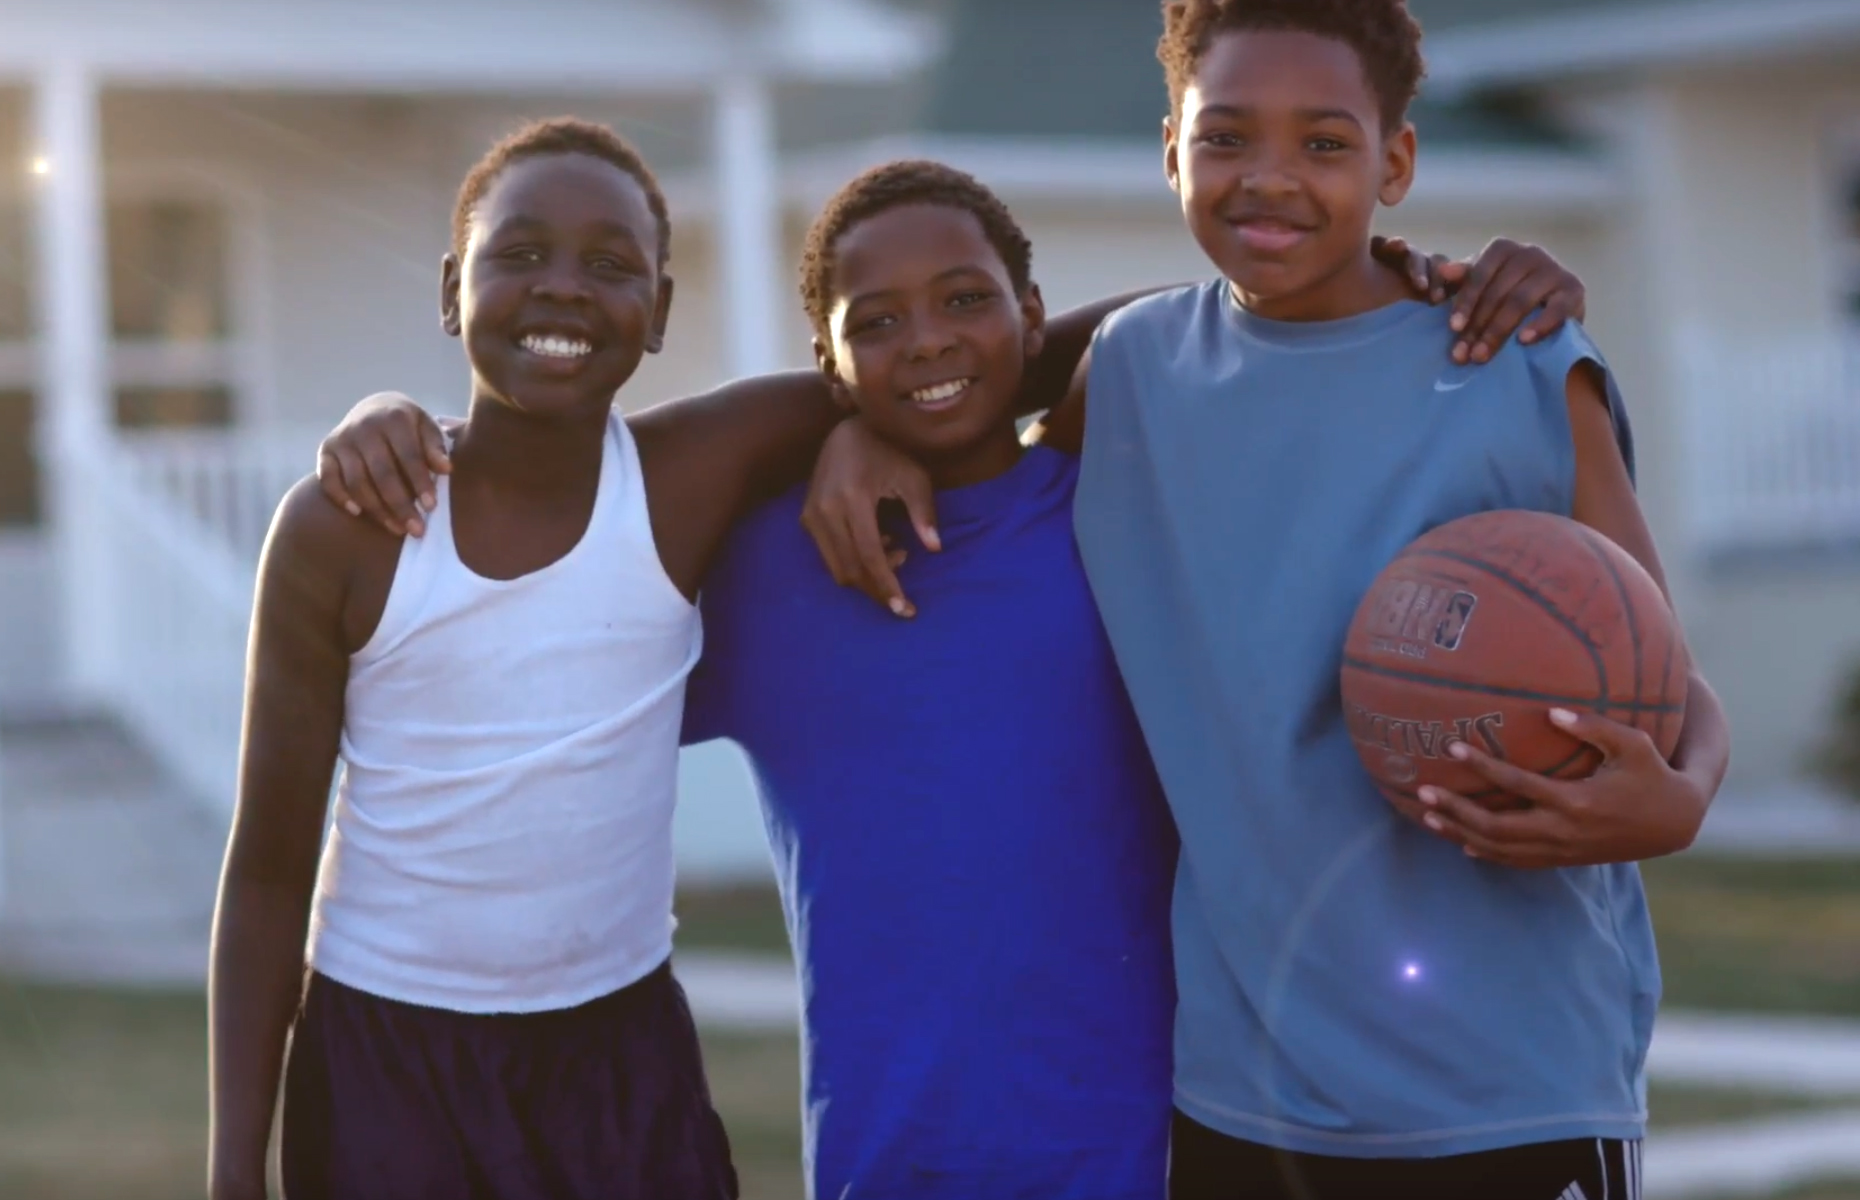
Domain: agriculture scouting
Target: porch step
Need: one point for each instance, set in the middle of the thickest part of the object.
(108, 866)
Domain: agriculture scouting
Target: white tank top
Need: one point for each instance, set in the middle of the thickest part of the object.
(503, 829)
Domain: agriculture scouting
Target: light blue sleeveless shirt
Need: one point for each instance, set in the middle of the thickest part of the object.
(1349, 984)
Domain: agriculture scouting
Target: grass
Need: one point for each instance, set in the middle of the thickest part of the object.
(103, 1094)
(744, 919)
(755, 1083)
(1758, 936)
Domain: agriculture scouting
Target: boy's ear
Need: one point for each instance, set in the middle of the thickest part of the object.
(1172, 165)
(661, 313)
(1398, 155)
(1033, 317)
(449, 319)
(830, 371)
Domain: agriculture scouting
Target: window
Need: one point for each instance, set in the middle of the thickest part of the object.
(19, 464)
(15, 273)
(1851, 220)
(170, 310)
(173, 359)
(1843, 182)
(167, 270)
(171, 407)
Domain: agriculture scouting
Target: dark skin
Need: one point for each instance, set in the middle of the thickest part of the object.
(928, 339)
(380, 461)
(563, 249)
(1280, 178)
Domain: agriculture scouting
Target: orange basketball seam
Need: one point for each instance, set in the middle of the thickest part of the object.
(1352, 662)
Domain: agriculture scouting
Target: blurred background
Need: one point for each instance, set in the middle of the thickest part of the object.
(221, 223)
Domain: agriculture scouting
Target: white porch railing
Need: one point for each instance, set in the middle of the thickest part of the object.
(1774, 442)
(178, 522)
(226, 483)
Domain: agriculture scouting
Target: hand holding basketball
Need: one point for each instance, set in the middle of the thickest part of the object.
(1634, 807)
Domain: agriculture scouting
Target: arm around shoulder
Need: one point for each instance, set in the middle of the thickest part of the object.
(1055, 374)
(708, 459)
(1063, 427)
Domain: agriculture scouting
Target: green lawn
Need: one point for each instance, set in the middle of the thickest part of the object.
(103, 1095)
(737, 918)
(756, 1085)
(1779, 937)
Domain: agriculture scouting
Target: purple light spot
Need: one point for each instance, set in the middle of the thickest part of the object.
(1411, 971)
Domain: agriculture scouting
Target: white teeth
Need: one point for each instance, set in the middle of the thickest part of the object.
(941, 391)
(556, 347)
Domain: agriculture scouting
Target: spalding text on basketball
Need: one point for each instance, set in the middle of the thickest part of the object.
(1428, 739)
(1409, 618)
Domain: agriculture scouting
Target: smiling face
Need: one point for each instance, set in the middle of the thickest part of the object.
(928, 339)
(559, 293)
(1280, 159)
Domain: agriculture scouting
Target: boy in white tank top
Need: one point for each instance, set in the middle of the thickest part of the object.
(489, 1011)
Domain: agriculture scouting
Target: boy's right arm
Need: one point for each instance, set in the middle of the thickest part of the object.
(297, 670)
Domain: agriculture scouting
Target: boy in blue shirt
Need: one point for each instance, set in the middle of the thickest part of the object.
(981, 928)
(1456, 1005)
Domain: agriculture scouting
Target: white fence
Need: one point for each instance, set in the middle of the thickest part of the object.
(178, 521)
(1774, 442)
(225, 484)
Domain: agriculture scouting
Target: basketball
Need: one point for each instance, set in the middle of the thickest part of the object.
(1482, 626)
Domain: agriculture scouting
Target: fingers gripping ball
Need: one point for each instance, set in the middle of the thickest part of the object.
(1482, 626)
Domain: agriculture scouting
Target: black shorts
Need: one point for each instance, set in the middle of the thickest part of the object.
(1205, 1165)
(607, 1100)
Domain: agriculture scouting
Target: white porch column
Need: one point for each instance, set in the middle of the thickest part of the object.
(749, 212)
(74, 344)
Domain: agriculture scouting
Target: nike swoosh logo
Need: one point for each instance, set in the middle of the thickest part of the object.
(1441, 385)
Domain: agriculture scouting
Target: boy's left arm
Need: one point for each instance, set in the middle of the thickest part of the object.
(1636, 806)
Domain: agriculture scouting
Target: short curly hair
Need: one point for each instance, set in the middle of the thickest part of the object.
(898, 185)
(1384, 34)
(558, 135)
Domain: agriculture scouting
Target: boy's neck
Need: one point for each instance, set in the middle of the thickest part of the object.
(975, 464)
(992, 457)
(1364, 285)
(516, 453)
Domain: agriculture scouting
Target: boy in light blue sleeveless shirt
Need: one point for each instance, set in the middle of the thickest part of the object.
(1368, 1005)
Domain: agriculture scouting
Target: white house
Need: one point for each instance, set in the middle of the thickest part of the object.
(221, 223)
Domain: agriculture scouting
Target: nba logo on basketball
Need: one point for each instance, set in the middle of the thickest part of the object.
(1411, 616)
